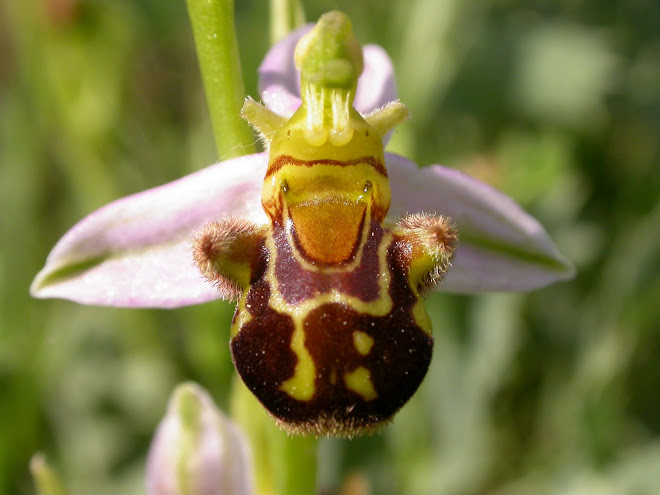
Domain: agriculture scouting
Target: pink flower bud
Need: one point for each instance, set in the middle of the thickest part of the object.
(197, 450)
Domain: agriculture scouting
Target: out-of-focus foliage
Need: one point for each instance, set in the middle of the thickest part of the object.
(556, 103)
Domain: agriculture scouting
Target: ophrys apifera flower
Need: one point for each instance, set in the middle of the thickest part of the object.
(327, 242)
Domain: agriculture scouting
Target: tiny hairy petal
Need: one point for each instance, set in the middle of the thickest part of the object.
(500, 246)
(225, 253)
(279, 80)
(197, 449)
(136, 251)
(432, 240)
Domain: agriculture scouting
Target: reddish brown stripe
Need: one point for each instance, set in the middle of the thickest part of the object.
(297, 284)
(283, 160)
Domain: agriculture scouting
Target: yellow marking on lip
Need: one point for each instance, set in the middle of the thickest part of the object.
(301, 385)
(421, 316)
(242, 317)
(298, 185)
(349, 267)
(359, 381)
(362, 342)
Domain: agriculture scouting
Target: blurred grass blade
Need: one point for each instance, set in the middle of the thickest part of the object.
(285, 16)
(45, 478)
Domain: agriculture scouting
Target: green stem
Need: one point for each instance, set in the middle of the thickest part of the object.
(295, 463)
(285, 16)
(283, 465)
(217, 51)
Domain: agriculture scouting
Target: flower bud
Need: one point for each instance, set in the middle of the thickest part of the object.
(197, 450)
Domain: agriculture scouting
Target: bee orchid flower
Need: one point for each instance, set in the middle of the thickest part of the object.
(327, 242)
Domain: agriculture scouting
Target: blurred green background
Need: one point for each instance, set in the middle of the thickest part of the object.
(555, 102)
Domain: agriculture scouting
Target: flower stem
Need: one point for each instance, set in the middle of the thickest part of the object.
(294, 462)
(283, 465)
(217, 51)
(285, 16)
